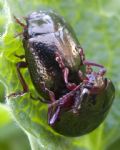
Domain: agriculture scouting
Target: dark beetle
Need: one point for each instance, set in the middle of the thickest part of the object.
(79, 98)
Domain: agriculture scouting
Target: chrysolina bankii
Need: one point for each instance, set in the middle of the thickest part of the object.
(78, 96)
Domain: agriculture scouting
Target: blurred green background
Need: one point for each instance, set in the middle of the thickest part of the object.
(97, 25)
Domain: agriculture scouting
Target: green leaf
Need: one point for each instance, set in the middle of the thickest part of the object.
(5, 117)
(12, 138)
(96, 23)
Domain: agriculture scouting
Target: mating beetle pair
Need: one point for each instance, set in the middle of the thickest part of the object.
(78, 97)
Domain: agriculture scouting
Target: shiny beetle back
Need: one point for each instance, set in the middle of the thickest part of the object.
(45, 34)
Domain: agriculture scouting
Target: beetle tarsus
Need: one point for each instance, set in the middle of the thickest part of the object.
(17, 94)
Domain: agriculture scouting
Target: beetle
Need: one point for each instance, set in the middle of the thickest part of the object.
(78, 97)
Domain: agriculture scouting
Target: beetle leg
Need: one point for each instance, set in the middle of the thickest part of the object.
(50, 93)
(94, 80)
(55, 107)
(102, 70)
(54, 118)
(83, 61)
(19, 22)
(69, 85)
(19, 66)
(65, 72)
